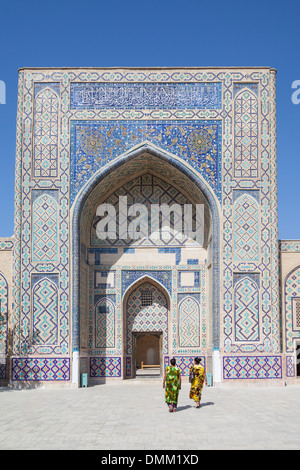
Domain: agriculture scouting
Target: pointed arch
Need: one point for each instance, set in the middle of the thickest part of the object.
(126, 164)
(153, 277)
(153, 317)
(291, 307)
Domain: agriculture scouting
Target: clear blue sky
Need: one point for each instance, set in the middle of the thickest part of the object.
(111, 33)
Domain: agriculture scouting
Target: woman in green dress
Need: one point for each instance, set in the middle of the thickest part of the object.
(197, 373)
(172, 385)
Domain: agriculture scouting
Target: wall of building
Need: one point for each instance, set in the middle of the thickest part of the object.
(290, 295)
(6, 275)
(81, 132)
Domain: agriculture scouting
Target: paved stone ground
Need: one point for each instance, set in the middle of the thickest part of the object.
(132, 415)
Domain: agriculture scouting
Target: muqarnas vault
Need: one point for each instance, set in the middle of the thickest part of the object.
(72, 303)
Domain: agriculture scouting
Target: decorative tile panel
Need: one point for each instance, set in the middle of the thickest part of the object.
(289, 246)
(45, 157)
(246, 308)
(252, 367)
(105, 320)
(45, 309)
(189, 322)
(45, 229)
(6, 245)
(246, 228)
(3, 316)
(2, 371)
(290, 366)
(184, 363)
(164, 277)
(146, 95)
(95, 143)
(291, 295)
(105, 367)
(246, 134)
(40, 369)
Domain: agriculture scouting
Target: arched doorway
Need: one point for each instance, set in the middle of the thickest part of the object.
(147, 351)
(146, 327)
(105, 267)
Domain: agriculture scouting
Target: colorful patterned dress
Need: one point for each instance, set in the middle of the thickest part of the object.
(197, 383)
(172, 385)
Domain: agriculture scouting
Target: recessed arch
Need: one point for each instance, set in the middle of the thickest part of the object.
(154, 317)
(142, 280)
(122, 168)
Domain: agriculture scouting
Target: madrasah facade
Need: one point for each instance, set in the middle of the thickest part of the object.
(76, 304)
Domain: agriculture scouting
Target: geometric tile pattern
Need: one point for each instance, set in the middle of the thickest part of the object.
(291, 298)
(264, 181)
(105, 323)
(290, 366)
(189, 322)
(3, 316)
(296, 308)
(184, 363)
(6, 245)
(2, 371)
(246, 229)
(252, 367)
(149, 318)
(105, 367)
(45, 229)
(45, 312)
(46, 134)
(246, 309)
(128, 367)
(44, 369)
(289, 246)
(246, 135)
(84, 306)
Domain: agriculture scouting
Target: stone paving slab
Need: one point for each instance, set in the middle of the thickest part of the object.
(132, 415)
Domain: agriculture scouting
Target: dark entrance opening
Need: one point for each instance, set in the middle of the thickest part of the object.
(147, 353)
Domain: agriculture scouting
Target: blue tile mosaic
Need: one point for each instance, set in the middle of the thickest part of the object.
(163, 277)
(146, 95)
(96, 143)
(176, 251)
